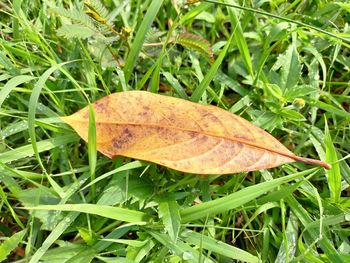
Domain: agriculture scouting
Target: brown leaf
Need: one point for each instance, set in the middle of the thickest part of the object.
(182, 135)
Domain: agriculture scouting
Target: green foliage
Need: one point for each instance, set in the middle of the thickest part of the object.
(196, 43)
(97, 7)
(10, 244)
(170, 215)
(282, 65)
(72, 31)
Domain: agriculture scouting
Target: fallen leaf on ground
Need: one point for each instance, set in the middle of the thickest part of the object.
(181, 135)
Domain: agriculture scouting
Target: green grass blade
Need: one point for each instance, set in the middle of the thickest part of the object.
(146, 76)
(44, 145)
(115, 213)
(310, 233)
(331, 109)
(181, 248)
(140, 37)
(92, 149)
(291, 68)
(189, 16)
(218, 247)
(117, 233)
(11, 84)
(10, 244)
(230, 83)
(137, 254)
(33, 102)
(132, 243)
(14, 215)
(169, 213)
(203, 85)
(283, 18)
(54, 235)
(334, 175)
(236, 199)
(155, 79)
(288, 247)
(8, 180)
(174, 83)
(313, 234)
(123, 85)
(240, 40)
(86, 255)
(125, 167)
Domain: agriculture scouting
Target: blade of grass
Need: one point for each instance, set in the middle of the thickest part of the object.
(154, 82)
(14, 215)
(96, 69)
(8, 180)
(146, 76)
(240, 40)
(15, 25)
(115, 213)
(288, 247)
(312, 233)
(86, 255)
(194, 12)
(23, 53)
(334, 175)
(33, 102)
(203, 85)
(261, 209)
(140, 37)
(92, 150)
(11, 84)
(181, 248)
(54, 235)
(236, 199)
(44, 145)
(219, 247)
(169, 213)
(10, 244)
(331, 109)
(138, 254)
(329, 221)
(175, 84)
(284, 19)
(117, 233)
(122, 84)
(125, 167)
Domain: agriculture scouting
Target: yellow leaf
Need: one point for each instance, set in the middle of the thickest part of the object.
(180, 134)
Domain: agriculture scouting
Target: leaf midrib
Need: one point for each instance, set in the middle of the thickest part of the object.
(234, 139)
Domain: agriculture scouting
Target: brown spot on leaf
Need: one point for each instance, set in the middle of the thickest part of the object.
(100, 107)
(146, 110)
(117, 143)
(192, 134)
(243, 137)
(127, 133)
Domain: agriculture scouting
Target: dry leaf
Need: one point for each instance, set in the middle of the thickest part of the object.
(180, 134)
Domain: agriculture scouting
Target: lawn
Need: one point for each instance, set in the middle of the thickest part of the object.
(282, 65)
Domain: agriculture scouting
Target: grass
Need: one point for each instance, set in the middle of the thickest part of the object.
(282, 65)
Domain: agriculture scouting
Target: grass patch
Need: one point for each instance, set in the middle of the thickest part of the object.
(282, 65)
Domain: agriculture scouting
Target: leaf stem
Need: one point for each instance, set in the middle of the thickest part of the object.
(313, 162)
